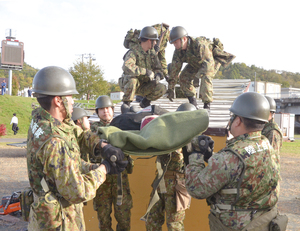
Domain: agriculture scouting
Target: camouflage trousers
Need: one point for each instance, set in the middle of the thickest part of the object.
(106, 197)
(186, 81)
(150, 90)
(166, 205)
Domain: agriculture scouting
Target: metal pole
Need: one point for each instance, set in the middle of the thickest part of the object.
(9, 81)
(255, 83)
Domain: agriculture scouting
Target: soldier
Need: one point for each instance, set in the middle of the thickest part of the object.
(81, 119)
(173, 167)
(59, 178)
(240, 182)
(199, 55)
(271, 129)
(142, 71)
(107, 193)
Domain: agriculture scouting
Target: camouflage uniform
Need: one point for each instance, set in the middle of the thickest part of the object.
(135, 80)
(274, 134)
(201, 64)
(107, 196)
(53, 153)
(167, 201)
(258, 189)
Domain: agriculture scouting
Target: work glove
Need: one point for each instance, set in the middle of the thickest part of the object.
(205, 146)
(156, 48)
(114, 167)
(157, 78)
(187, 151)
(171, 94)
(108, 151)
(150, 74)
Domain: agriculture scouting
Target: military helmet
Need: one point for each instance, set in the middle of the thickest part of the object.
(149, 32)
(177, 33)
(54, 81)
(78, 113)
(186, 107)
(251, 105)
(272, 103)
(103, 101)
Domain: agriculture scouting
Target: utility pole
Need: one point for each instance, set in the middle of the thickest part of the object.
(255, 82)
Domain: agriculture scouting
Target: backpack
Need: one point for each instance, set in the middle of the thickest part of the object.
(132, 36)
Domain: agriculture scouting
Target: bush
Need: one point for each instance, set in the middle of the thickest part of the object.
(2, 130)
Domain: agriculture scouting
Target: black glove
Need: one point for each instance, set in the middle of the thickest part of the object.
(107, 165)
(156, 48)
(157, 78)
(150, 74)
(108, 151)
(171, 94)
(167, 78)
(206, 146)
(118, 167)
(187, 151)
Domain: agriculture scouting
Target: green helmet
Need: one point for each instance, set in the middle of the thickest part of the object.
(78, 113)
(177, 33)
(251, 105)
(149, 32)
(186, 107)
(272, 103)
(54, 81)
(103, 101)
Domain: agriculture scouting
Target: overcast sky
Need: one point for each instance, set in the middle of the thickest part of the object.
(263, 33)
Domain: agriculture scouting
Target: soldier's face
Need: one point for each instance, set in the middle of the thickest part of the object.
(86, 123)
(106, 113)
(180, 43)
(177, 44)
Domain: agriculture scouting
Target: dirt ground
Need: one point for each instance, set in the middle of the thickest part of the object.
(13, 178)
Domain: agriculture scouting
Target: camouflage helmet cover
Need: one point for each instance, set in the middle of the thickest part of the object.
(177, 33)
(54, 81)
(149, 32)
(272, 103)
(104, 101)
(78, 113)
(251, 105)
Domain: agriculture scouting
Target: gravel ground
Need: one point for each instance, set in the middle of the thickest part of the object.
(13, 178)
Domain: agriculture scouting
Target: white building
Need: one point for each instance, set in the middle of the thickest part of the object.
(116, 95)
(266, 88)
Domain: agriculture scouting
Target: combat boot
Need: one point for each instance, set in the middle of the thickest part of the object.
(145, 103)
(206, 106)
(193, 101)
(125, 107)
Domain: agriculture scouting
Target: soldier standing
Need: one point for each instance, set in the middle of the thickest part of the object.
(199, 55)
(240, 182)
(173, 166)
(59, 178)
(107, 193)
(81, 119)
(271, 129)
(142, 71)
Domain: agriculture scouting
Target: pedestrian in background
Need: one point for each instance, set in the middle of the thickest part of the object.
(14, 122)
(3, 87)
(29, 92)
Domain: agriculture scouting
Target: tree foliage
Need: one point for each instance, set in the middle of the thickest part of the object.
(89, 80)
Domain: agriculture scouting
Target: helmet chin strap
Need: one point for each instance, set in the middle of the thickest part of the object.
(228, 127)
(105, 121)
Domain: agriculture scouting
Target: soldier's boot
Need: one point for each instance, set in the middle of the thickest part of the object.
(193, 101)
(206, 106)
(138, 98)
(145, 103)
(125, 107)
(134, 108)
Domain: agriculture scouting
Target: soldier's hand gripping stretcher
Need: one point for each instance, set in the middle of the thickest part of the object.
(201, 144)
(112, 157)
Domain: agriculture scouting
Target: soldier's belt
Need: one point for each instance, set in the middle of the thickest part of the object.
(171, 174)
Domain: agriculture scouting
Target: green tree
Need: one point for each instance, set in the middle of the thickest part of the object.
(89, 79)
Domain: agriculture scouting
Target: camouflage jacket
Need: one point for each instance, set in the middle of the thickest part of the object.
(53, 153)
(198, 54)
(274, 134)
(248, 158)
(137, 61)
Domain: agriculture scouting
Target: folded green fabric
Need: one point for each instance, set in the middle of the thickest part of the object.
(162, 135)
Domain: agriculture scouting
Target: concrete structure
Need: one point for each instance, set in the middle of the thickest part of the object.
(116, 95)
